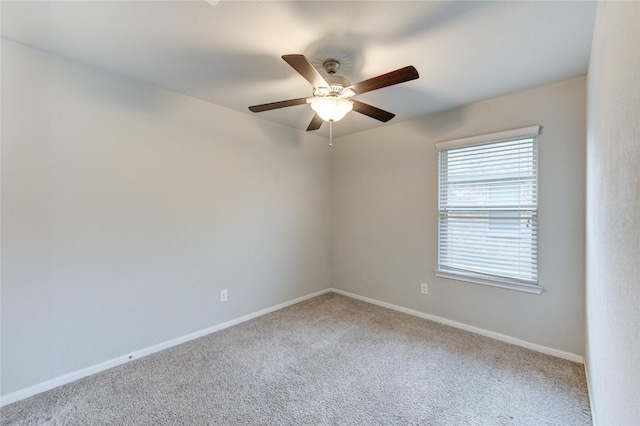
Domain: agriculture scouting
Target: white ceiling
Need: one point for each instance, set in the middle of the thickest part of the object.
(229, 53)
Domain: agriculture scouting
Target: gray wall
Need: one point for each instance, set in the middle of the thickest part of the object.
(384, 189)
(126, 209)
(613, 203)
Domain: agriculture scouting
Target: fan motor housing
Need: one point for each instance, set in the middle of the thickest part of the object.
(337, 80)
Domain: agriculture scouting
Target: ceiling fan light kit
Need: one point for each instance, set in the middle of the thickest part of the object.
(331, 99)
(331, 108)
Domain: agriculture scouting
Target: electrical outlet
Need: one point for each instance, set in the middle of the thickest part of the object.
(223, 295)
(424, 288)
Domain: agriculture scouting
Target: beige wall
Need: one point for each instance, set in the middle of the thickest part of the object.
(126, 209)
(613, 203)
(384, 189)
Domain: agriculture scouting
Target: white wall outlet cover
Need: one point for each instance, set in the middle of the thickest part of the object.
(424, 288)
(223, 295)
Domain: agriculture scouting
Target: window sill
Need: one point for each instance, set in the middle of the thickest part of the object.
(511, 285)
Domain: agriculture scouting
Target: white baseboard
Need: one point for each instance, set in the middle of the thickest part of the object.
(76, 375)
(497, 336)
(588, 379)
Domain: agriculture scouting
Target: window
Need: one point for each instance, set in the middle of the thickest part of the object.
(488, 209)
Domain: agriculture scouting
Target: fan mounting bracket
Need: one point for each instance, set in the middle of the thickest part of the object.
(331, 66)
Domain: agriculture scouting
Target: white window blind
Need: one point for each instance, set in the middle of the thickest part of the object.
(488, 209)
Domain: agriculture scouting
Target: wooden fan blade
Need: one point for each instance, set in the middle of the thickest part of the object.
(315, 124)
(371, 111)
(305, 69)
(389, 79)
(276, 105)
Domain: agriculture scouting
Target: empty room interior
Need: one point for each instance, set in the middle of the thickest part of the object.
(221, 212)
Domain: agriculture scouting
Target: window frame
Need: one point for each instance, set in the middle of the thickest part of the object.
(479, 277)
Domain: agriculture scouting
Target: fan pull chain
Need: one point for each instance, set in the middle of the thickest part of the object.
(330, 133)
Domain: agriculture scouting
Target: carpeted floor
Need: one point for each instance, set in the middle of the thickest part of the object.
(328, 360)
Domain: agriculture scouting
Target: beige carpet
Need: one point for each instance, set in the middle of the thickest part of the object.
(328, 360)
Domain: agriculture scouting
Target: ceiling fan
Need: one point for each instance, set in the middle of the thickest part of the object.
(332, 96)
